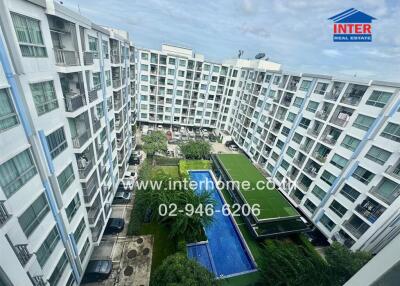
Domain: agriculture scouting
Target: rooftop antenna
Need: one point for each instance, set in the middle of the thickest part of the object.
(241, 52)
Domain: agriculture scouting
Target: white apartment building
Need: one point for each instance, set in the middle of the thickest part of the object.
(336, 140)
(66, 86)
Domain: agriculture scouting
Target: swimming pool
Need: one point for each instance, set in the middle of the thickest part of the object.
(225, 253)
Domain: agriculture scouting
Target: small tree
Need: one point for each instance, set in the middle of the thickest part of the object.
(196, 150)
(344, 263)
(177, 269)
(154, 142)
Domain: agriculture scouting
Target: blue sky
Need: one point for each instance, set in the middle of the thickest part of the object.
(295, 33)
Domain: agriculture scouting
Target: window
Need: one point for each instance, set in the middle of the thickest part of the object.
(312, 106)
(8, 116)
(58, 270)
(290, 151)
(34, 214)
(363, 122)
(57, 142)
(350, 143)
(96, 81)
(297, 102)
(363, 175)
(378, 155)
(15, 172)
(29, 36)
(321, 88)
(291, 116)
(378, 98)
(285, 164)
(337, 208)
(338, 161)
(328, 178)
(388, 191)
(44, 96)
(73, 207)
(79, 230)
(105, 49)
(305, 85)
(93, 46)
(108, 78)
(145, 56)
(297, 138)
(318, 192)
(304, 122)
(310, 206)
(327, 222)
(47, 247)
(171, 61)
(392, 132)
(349, 193)
(84, 250)
(66, 178)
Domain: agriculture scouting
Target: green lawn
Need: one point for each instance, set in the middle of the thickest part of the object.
(272, 203)
(186, 165)
(172, 171)
(250, 279)
(162, 246)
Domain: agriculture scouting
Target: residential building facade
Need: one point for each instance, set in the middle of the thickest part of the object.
(65, 133)
(335, 140)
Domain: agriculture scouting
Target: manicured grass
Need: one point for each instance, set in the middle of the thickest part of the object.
(172, 171)
(186, 165)
(272, 203)
(250, 279)
(162, 245)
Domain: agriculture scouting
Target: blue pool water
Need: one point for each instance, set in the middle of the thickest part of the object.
(226, 254)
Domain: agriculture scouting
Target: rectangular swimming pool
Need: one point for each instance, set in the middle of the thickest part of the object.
(225, 253)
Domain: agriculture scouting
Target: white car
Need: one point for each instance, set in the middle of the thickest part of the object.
(129, 179)
(233, 148)
(160, 128)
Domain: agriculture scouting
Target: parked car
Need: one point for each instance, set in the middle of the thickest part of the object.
(97, 270)
(229, 143)
(134, 160)
(136, 154)
(160, 128)
(122, 197)
(212, 138)
(233, 148)
(114, 225)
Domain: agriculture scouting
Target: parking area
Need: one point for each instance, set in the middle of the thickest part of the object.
(130, 256)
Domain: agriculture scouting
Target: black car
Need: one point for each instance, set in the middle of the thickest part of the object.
(134, 160)
(229, 143)
(97, 270)
(114, 225)
(122, 197)
(212, 138)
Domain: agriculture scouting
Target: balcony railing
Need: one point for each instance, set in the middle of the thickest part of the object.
(79, 140)
(370, 216)
(311, 171)
(22, 253)
(74, 101)
(298, 162)
(96, 125)
(89, 190)
(116, 82)
(88, 58)
(4, 215)
(93, 94)
(97, 229)
(319, 157)
(357, 231)
(84, 170)
(66, 58)
(322, 115)
(37, 280)
(99, 149)
(339, 122)
(314, 133)
(94, 213)
(328, 139)
(394, 170)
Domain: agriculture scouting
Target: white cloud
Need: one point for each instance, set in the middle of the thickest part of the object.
(331, 52)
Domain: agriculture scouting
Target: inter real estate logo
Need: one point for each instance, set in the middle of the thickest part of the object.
(352, 26)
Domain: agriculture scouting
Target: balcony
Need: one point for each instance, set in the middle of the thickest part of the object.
(96, 231)
(387, 191)
(99, 150)
(94, 211)
(312, 170)
(90, 188)
(80, 139)
(356, 226)
(93, 94)
(88, 58)
(394, 170)
(4, 215)
(66, 58)
(116, 82)
(354, 94)
(298, 162)
(370, 209)
(343, 238)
